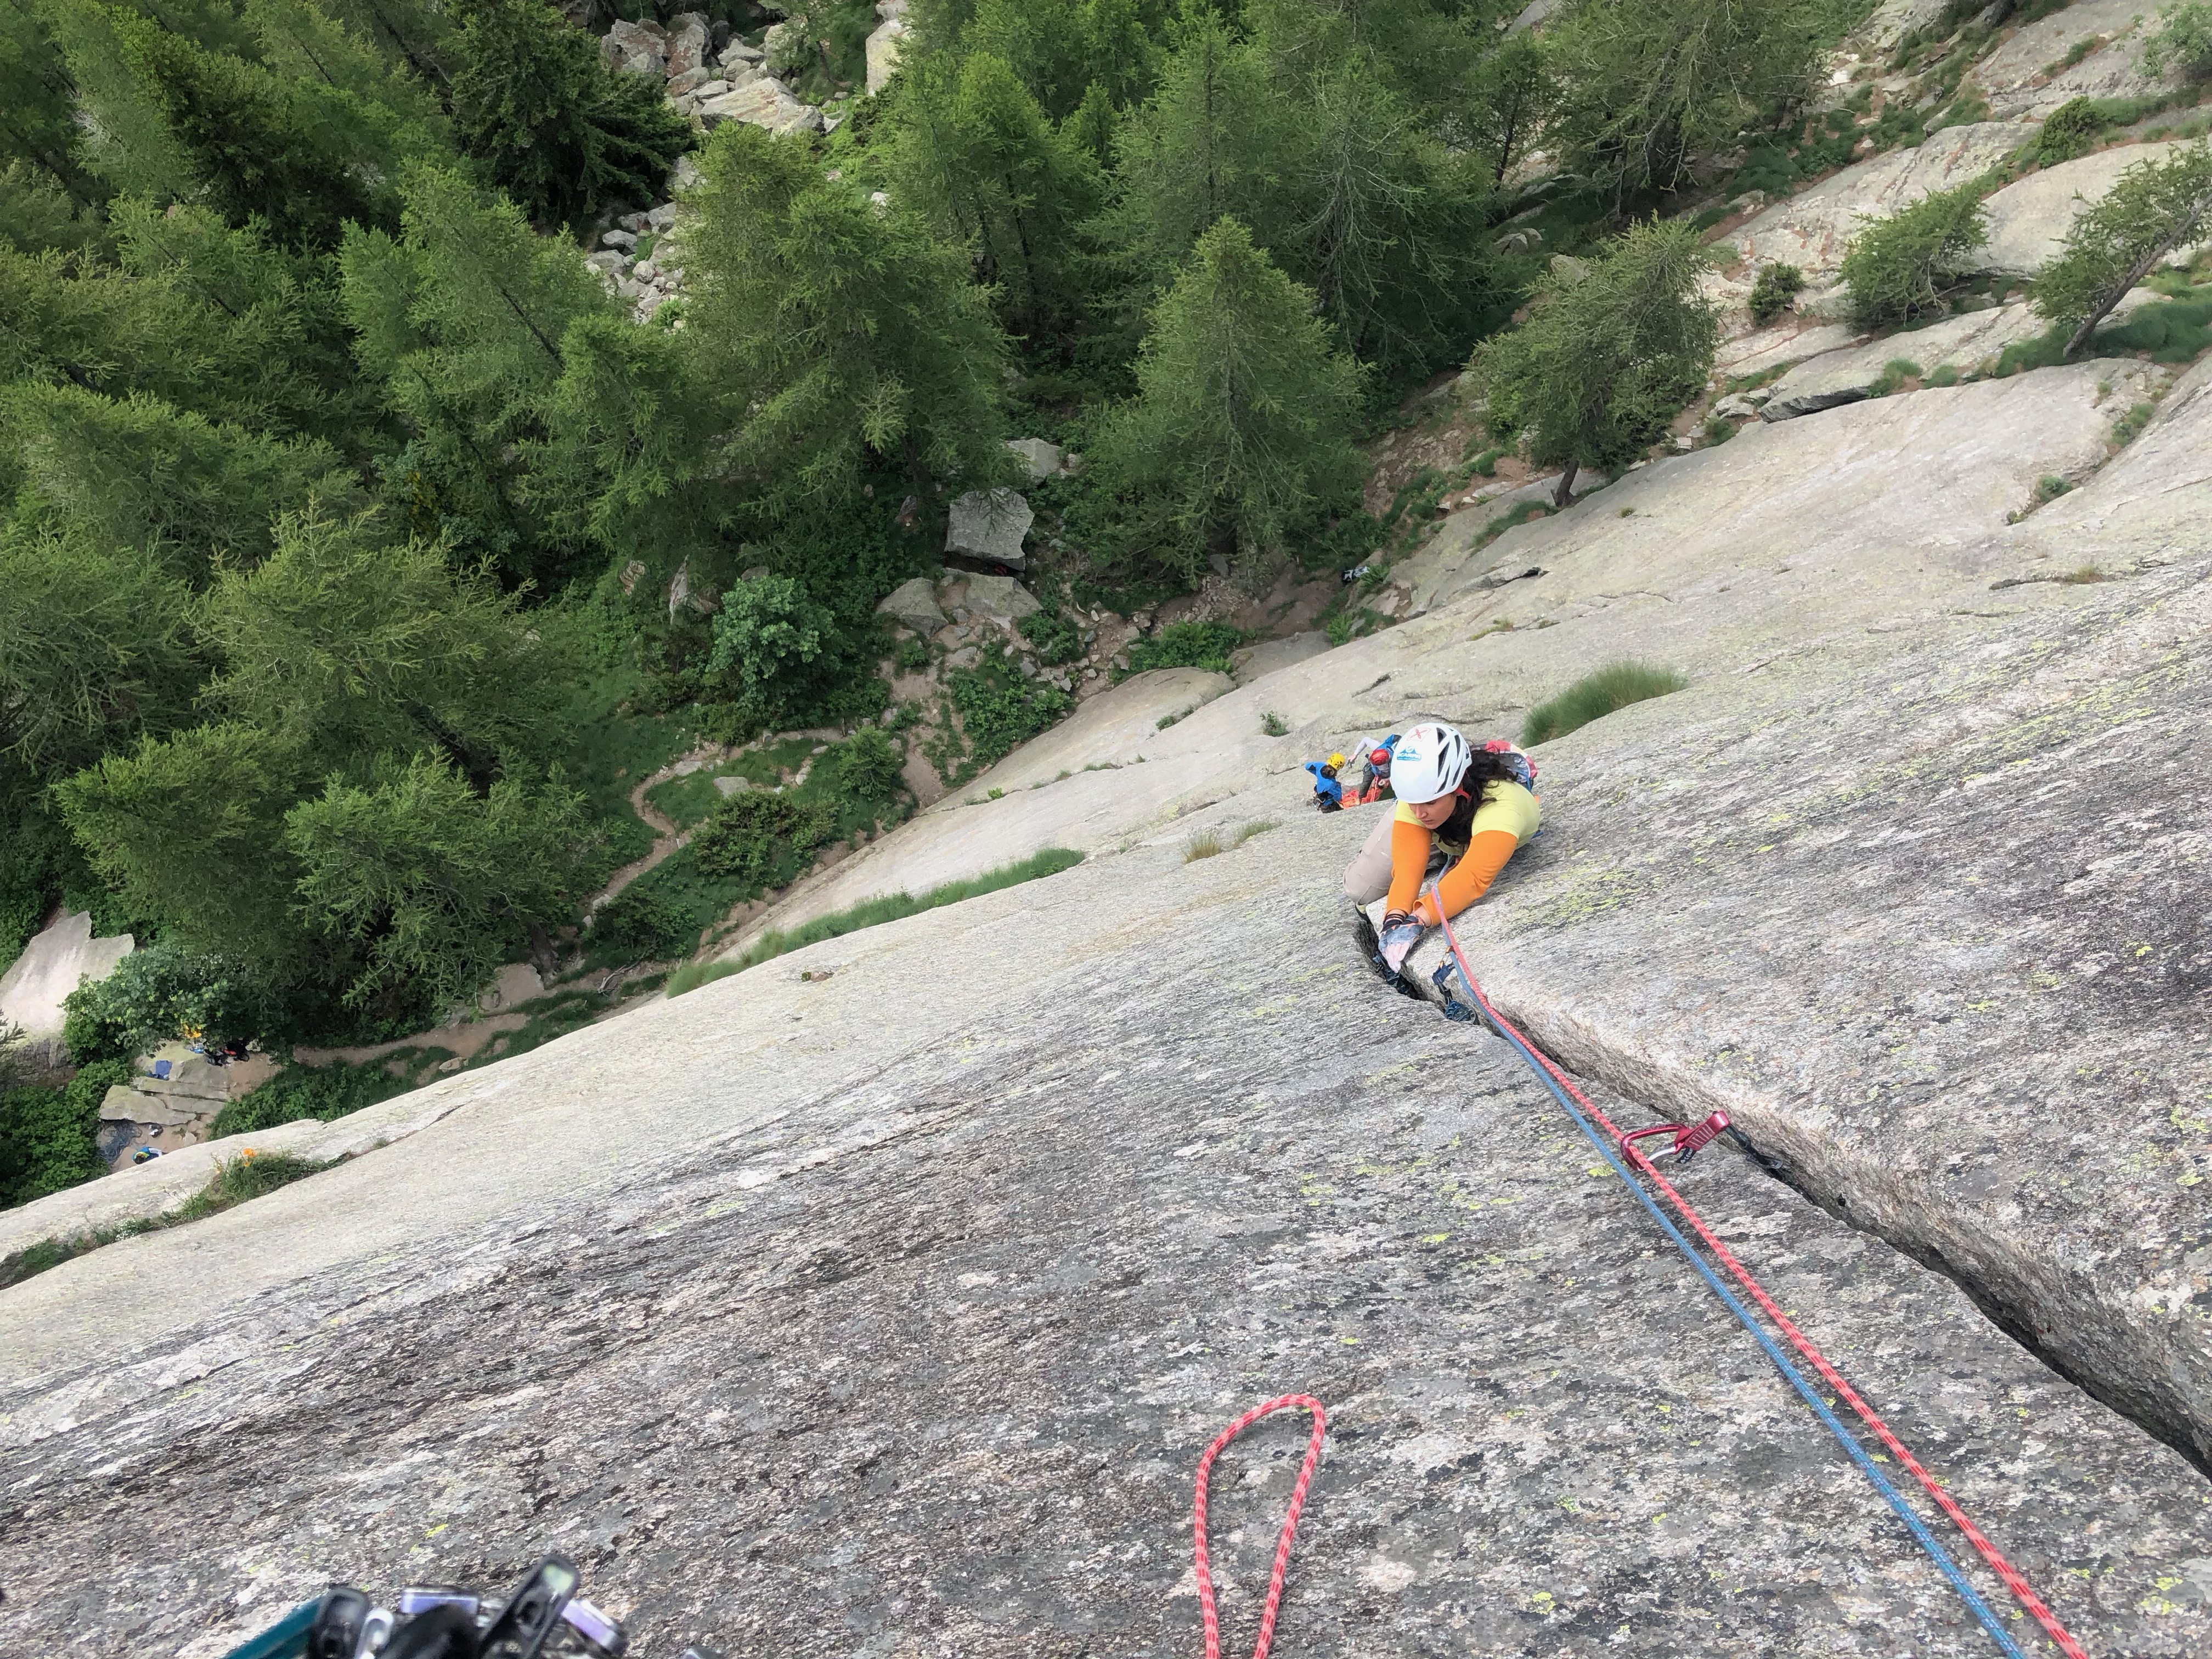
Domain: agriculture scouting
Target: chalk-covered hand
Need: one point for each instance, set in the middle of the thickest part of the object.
(1399, 935)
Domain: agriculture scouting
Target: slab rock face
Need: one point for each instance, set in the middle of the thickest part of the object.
(2028, 219)
(1961, 343)
(1810, 229)
(954, 1299)
(2013, 75)
(880, 1300)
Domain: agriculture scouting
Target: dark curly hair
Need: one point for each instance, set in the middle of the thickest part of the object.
(1485, 769)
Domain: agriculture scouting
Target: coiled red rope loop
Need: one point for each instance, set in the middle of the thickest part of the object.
(1286, 1402)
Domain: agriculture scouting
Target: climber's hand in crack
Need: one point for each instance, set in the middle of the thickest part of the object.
(1398, 936)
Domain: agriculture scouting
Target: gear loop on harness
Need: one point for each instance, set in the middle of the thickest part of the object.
(1629, 1164)
(1204, 1568)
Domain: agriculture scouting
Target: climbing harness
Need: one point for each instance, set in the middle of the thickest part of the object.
(1628, 1162)
(1205, 1570)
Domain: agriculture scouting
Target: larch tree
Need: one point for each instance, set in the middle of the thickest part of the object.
(1607, 357)
(1241, 430)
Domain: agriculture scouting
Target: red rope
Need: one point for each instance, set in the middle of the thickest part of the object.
(2022, 1592)
(1304, 1402)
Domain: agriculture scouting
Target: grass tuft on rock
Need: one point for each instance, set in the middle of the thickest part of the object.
(874, 912)
(235, 1179)
(1595, 696)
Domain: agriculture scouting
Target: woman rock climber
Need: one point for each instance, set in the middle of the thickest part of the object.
(1460, 813)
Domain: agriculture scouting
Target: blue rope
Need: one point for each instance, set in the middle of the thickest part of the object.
(1967, 1593)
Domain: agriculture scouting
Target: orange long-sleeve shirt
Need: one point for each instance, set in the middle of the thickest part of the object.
(1507, 816)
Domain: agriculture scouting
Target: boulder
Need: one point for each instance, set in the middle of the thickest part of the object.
(636, 48)
(691, 81)
(914, 602)
(1965, 343)
(2028, 219)
(1044, 461)
(989, 524)
(608, 261)
(1809, 229)
(689, 40)
(764, 103)
(55, 963)
(1255, 662)
(738, 52)
(883, 47)
(999, 598)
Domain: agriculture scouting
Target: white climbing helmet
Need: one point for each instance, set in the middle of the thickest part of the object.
(1429, 762)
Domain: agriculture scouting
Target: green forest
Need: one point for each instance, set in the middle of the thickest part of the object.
(340, 497)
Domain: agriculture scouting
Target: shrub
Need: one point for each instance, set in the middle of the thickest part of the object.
(744, 835)
(1776, 287)
(298, 1092)
(1054, 637)
(872, 912)
(154, 996)
(1596, 695)
(867, 767)
(1274, 725)
(2183, 36)
(48, 1137)
(997, 713)
(911, 655)
(1187, 645)
(771, 640)
(1895, 268)
(642, 925)
(2068, 131)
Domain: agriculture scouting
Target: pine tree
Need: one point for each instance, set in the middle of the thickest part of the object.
(433, 883)
(974, 154)
(461, 319)
(38, 106)
(2151, 209)
(94, 651)
(136, 472)
(1388, 227)
(557, 129)
(342, 646)
(187, 829)
(1209, 143)
(1647, 85)
(243, 140)
(1513, 91)
(1607, 358)
(845, 335)
(1241, 430)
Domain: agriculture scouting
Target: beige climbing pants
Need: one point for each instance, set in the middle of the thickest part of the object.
(1367, 878)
